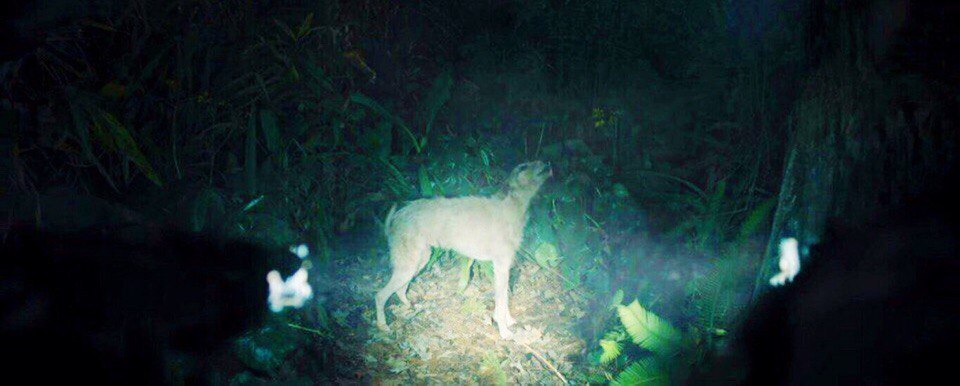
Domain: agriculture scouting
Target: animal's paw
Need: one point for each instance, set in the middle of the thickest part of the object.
(527, 334)
(505, 333)
(504, 320)
(383, 327)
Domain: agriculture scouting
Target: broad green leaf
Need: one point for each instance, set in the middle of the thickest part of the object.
(645, 372)
(126, 145)
(648, 330)
(611, 350)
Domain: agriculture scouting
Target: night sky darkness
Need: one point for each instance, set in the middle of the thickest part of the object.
(160, 157)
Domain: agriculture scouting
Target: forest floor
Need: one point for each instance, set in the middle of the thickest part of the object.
(448, 337)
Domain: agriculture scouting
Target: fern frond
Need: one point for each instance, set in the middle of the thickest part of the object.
(645, 372)
(490, 366)
(611, 351)
(648, 330)
(716, 292)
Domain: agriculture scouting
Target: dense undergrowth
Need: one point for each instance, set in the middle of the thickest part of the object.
(290, 122)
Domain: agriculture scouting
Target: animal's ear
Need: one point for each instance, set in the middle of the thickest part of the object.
(514, 177)
(518, 179)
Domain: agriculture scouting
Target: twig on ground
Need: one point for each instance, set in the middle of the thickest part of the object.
(545, 361)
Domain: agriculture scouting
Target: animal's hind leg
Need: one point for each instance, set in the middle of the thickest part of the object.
(405, 267)
(402, 294)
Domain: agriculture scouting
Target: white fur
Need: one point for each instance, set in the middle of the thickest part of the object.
(294, 292)
(789, 262)
(483, 228)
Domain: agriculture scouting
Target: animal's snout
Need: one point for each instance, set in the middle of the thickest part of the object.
(543, 169)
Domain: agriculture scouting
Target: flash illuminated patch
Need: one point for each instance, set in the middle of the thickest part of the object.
(293, 292)
(789, 262)
(300, 250)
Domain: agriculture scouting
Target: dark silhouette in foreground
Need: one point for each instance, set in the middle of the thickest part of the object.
(876, 304)
(124, 310)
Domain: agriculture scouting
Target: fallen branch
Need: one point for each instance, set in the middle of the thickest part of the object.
(544, 360)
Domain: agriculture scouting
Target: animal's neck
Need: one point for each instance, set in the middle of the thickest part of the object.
(519, 201)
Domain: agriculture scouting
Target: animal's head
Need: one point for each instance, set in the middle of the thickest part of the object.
(527, 177)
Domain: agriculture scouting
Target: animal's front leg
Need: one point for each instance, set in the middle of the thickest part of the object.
(501, 310)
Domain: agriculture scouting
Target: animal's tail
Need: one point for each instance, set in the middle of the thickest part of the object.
(388, 222)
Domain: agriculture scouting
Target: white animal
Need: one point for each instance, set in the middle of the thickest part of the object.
(483, 228)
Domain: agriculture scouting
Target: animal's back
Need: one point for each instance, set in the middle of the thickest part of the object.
(474, 226)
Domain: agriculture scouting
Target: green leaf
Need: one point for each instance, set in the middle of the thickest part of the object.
(611, 350)
(368, 102)
(437, 96)
(547, 255)
(84, 138)
(384, 136)
(286, 30)
(103, 136)
(305, 27)
(321, 82)
(465, 268)
(398, 180)
(486, 268)
(426, 186)
(756, 217)
(208, 205)
(617, 299)
(484, 158)
(648, 330)
(645, 372)
(491, 366)
(271, 132)
(252, 203)
(250, 155)
(126, 145)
